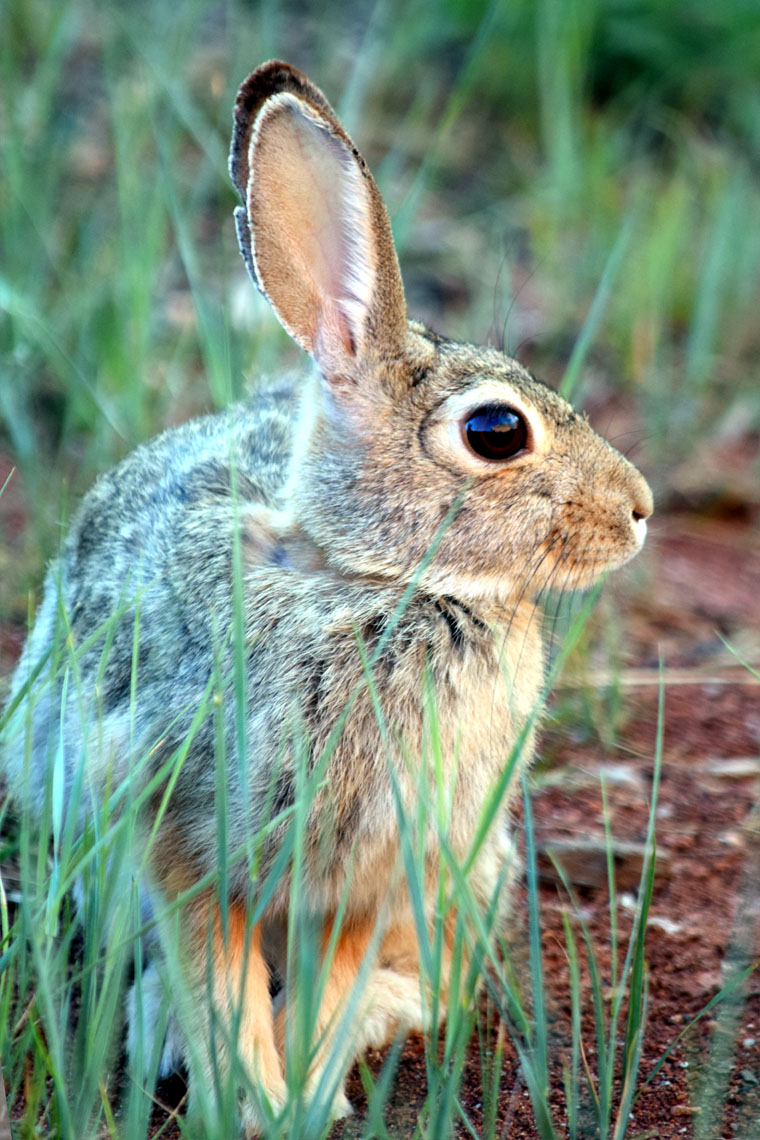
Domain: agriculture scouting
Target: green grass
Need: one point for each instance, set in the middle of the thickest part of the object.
(579, 175)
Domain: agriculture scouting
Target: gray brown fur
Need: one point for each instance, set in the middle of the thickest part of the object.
(338, 483)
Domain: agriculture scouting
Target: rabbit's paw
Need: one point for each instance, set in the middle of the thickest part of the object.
(340, 1106)
(257, 1113)
(395, 1006)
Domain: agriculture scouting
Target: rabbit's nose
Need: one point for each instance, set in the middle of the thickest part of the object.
(642, 503)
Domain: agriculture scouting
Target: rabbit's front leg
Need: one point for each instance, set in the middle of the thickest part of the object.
(225, 958)
(360, 1006)
(400, 957)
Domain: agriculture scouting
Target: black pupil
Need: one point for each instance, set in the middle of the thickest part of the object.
(496, 432)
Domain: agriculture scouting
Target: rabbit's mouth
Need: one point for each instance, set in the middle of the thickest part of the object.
(584, 566)
(640, 530)
(593, 536)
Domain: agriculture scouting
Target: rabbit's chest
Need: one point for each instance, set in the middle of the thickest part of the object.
(486, 716)
(423, 754)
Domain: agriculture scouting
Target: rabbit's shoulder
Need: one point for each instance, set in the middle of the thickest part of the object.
(244, 449)
(132, 520)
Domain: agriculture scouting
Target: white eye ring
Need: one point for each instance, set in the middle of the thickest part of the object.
(444, 433)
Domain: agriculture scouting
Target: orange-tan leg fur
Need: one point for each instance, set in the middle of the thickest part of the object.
(242, 1007)
(389, 1002)
(400, 954)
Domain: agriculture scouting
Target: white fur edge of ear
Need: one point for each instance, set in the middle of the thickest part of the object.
(347, 296)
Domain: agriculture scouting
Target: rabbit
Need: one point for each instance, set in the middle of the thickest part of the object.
(395, 512)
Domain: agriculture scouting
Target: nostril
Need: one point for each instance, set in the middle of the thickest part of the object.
(642, 504)
(642, 510)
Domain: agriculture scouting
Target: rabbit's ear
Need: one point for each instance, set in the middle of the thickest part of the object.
(314, 231)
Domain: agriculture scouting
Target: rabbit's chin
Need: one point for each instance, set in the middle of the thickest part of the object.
(508, 591)
(500, 590)
(585, 574)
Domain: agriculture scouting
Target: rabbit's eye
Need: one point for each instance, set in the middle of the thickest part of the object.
(496, 432)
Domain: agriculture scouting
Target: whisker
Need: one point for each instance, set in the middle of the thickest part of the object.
(526, 280)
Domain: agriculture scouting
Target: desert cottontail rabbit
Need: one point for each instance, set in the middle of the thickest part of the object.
(394, 514)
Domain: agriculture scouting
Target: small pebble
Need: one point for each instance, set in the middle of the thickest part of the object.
(736, 768)
(665, 924)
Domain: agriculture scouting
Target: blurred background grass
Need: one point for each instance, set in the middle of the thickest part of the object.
(520, 144)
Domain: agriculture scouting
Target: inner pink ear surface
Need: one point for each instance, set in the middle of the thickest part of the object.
(310, 220)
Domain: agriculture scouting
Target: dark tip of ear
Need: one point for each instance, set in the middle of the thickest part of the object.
(270, 79)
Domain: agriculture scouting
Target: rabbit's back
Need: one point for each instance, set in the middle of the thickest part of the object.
(142, 590)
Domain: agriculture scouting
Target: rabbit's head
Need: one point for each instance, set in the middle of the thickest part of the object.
(401, 425)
